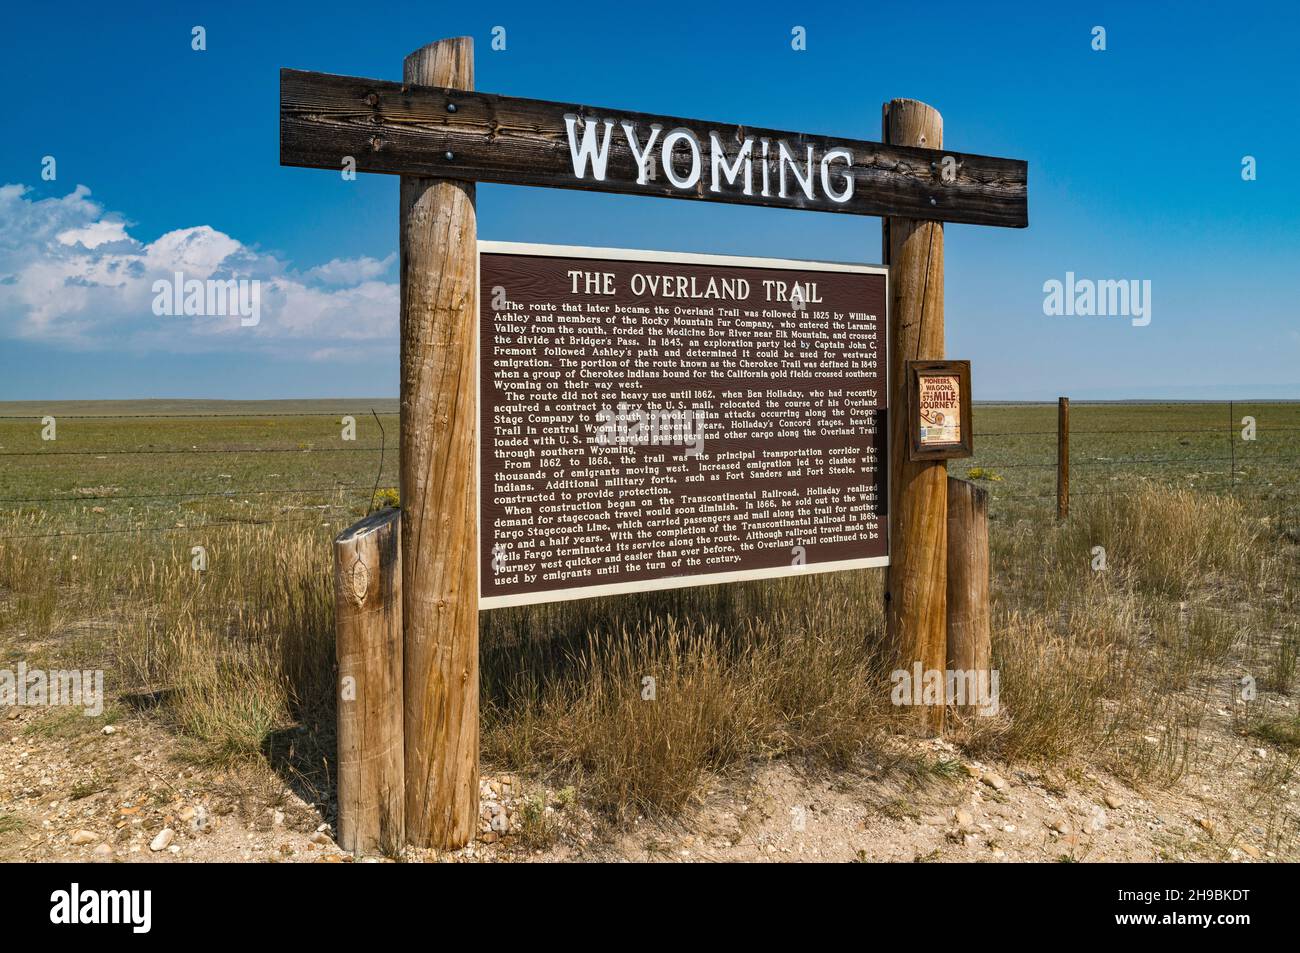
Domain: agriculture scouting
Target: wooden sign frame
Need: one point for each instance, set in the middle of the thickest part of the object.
(965, 445)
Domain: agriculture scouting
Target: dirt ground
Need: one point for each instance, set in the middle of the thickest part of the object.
(112, 793)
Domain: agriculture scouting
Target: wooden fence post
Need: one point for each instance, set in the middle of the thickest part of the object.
(1232, 442)
(439, 506)
(916, 583)
(969, 645)
(368, 639)
(1062, 457)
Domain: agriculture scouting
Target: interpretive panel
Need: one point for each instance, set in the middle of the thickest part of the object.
(651, 420)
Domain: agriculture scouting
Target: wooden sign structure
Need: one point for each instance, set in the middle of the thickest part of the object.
(442, 137)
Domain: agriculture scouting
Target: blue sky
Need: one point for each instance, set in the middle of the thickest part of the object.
(1135, 159)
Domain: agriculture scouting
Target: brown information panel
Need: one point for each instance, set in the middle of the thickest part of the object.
(652, 420)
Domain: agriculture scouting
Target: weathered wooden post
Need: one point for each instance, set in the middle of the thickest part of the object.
(916, 584)
(1232, 442)
(440, 528)
(368, 637)
(969, 645)
(1062, 457)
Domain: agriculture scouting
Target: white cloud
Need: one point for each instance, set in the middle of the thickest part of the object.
(349, 271)
(73, 275)
(95, 234)
(200, 252)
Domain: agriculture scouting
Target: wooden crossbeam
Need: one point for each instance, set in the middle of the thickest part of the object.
(405, 129)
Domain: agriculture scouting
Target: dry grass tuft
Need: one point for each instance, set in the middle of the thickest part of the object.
(233, 653)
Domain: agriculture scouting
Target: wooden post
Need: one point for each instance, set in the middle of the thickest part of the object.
(368, 637)
(440, 529)
(1232, 441)
(969, 648)
(916, 584)
(1062, 457)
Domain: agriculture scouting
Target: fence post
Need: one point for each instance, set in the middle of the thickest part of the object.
(916, 581)
(368, 640)
(1062, 457)
(1232, 441)
(969, 648)
(440, 528)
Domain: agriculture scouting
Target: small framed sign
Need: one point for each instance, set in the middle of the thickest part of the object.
(939, 410)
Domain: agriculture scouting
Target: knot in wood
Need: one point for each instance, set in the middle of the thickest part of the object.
(358, 581)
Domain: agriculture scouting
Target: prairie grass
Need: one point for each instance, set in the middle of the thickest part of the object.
(231, 653)
(1170, 541)
(637, 715)
(635, 700)
(1109, 660)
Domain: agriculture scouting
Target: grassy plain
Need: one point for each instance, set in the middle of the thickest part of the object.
(1201, 530)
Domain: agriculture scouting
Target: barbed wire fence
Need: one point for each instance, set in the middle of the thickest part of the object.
(1232, 470)
(991, 458)
(361, 491)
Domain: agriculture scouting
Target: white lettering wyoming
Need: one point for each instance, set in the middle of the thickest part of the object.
(792, 170)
